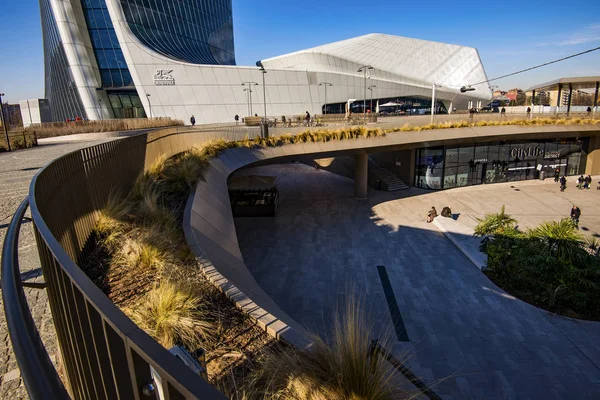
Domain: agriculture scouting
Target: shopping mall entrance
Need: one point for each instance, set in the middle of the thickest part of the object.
(448, 167)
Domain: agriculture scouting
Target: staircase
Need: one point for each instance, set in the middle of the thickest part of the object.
(388, 180)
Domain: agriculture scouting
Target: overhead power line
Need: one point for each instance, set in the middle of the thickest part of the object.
(537, 66)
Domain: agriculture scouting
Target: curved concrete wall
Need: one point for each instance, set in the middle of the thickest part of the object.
(210, 229)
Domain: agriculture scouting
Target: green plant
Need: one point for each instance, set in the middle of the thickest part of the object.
(592, 242)
(495, 223)
(172, 316)
(561, 238)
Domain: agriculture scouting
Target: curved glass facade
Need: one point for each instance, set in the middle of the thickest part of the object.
(60, 89)
(113, 68)
(194, 31)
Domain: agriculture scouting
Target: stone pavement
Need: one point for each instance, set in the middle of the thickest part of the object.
(467, 337)
(16, 171)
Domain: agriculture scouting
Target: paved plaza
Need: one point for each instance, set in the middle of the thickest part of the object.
(16, 171)
(466, 336)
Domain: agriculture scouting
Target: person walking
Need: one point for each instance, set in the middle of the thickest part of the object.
(528, 112)
(471, 114)
(563, 183)
(556, 174)
(589, 111)
(575, 214)
(193, 121)
(503, 112)
(587, 182)
(431, 215)
(236, 118)
(307, 118)
(580, 182)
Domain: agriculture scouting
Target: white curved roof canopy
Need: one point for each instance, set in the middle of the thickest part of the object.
(403, 60)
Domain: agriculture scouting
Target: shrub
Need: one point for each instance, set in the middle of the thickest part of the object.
(172, 316)
(547, 266)
(495, 223)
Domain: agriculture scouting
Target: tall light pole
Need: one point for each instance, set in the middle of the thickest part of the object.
(149, 104)
(249, 90)
(364, 69)
(433, 107)
(262, 69)
(371, 89)
(325, 84)
(4, 123)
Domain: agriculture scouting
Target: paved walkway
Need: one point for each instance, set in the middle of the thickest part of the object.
(16, 171)
(467, 336)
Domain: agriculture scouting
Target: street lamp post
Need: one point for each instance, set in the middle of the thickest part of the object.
(262, 69)
(325, 84)
(4, 123)
(433, 107)
(249, 90)
(364, 69)
(149, 104)
(371, 89)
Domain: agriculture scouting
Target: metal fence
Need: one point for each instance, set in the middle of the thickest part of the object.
(105, 355)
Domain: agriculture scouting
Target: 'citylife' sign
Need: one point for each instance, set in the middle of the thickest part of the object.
(533, 152)
(163, 77)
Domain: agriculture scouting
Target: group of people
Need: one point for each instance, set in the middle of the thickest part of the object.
(584, 182)
(431, 214)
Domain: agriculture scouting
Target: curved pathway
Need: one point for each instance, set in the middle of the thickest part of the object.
(467, 337)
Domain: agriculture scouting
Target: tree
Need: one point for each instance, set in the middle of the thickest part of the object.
(521, 99)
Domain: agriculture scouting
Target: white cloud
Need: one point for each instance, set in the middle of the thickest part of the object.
(588, 34)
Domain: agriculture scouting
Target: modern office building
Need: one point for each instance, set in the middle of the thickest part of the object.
(123, 59)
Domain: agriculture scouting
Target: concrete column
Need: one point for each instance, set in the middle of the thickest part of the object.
(592, 165)
(570, 97)
(596, 97)
(361, 173)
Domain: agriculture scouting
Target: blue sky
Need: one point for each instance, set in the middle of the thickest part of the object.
(509, 35)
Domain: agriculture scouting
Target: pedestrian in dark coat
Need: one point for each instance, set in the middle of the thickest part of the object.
(563, 183)
(575, 214)
(193, 120)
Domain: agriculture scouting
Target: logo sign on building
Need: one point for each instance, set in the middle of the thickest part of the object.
(528, 152)
(163, 77)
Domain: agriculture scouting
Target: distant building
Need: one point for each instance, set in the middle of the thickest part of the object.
(512, 94)
(35, 111)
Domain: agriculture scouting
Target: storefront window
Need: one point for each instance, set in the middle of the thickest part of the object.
(437, 168)
(429, 168)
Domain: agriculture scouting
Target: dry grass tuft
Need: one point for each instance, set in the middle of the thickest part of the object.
(344, 369)
(71, 128)
(172, 316)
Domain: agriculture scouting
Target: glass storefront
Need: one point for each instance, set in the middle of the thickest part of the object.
(455, 166)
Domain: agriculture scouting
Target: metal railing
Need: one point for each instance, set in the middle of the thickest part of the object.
(27, 344)
(104, 354)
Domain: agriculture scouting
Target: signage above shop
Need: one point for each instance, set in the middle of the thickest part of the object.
(527, 152)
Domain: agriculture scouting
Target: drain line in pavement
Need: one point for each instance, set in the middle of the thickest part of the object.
(392, 305)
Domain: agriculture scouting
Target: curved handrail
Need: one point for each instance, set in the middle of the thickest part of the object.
(38, 373)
